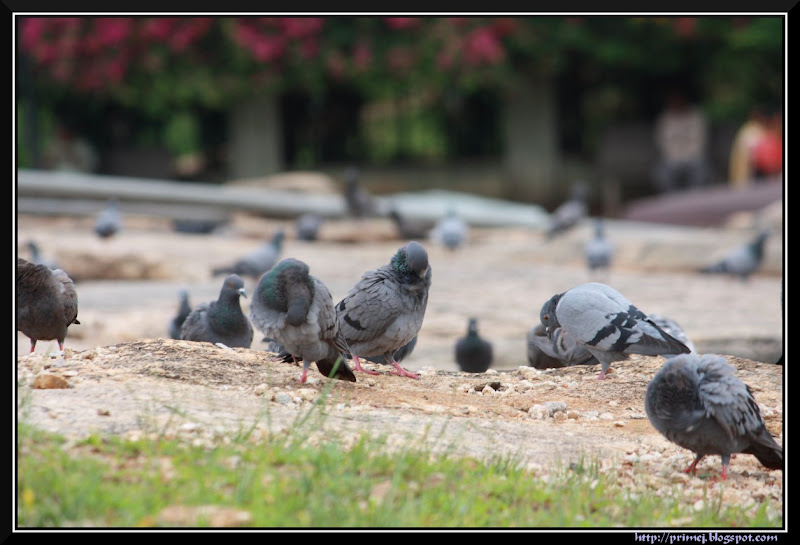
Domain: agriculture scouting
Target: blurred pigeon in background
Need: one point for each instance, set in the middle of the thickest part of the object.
(109, 221)
(39, 258)
(47, 303)
(570, 212)
(196, 226)
(407, 229)
(472, 352)
(604, 322)
(295, 309)
(698, 403)
(384, 310)
(184, 308)
(257, 262)
(307, 226)
(560, 351)
(598, 251)
(360, 203)
(742, 261)
(221, 321)
(451, 230)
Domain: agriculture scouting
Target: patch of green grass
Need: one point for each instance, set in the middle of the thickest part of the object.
(287, 480)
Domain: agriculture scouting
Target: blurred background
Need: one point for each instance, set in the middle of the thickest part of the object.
(211, 134)
(509, 107)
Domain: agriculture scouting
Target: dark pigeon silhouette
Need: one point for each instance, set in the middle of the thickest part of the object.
(184, 308)
(109, 221)
(609, 326)
(307, 226)
(257, 262)
(47, 303)
(699, 403)
(360, 203)
(569, 213)
(407, 229)
(473, 353)
(221, 321)
(384, 310)
(742, 261)
(295, 309)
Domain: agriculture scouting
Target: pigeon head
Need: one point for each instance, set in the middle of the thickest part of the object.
(288, 288)
(411, 259)
(548, 314)
(277, 238)
(234, 285)
(472, 327)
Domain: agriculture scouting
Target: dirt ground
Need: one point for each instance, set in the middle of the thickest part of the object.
(120, 375)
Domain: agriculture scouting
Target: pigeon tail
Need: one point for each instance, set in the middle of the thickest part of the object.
(336, 368)
(768, 452)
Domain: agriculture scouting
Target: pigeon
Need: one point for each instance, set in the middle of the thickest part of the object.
(384, 310)
(196, 226)
(40, 259)
(47, 303)
(295, 309)
(221, 321)
(742, 261)
(698, 402)
(473, 353)
(598, 251)
(409, 230)
(257, 262)
(184, 308)
(307, 226)
(604, 322)
(360, 203)
(568, 213)
(109, 221)
(560, 351)
(451, 230)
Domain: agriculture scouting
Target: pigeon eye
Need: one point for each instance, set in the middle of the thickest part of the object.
(546, 316)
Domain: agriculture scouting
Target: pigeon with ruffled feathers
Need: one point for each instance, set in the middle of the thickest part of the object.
(221, 321)
(47, 303)
(257, 262)
(473, 353)
(742, 261)
(384, 310)
(295, 309)
(698, 403)
(184, 309)
(607, 324)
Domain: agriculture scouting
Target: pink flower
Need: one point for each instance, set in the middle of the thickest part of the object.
(301, 27)
(111, 30)
(309, 48)
(399, 23)
(32, 30)
(483, 47)
(157, 28)
(267, 48)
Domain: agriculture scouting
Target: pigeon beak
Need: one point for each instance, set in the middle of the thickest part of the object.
(243, 293)
(424, 273)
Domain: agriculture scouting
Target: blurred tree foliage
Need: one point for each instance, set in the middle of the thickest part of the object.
(448, 68)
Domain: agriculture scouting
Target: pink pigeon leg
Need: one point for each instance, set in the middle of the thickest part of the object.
(359, 368)
(402, 372)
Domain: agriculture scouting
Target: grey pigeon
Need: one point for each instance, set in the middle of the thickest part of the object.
(184, 308)
(47, 303)
(108, 222)
(561, 350)
(473, 353)
(699, 403)
(39, 258)
(295, 309)
(570, 212)
(598, 251)
(742, 261)
(384, 310)
(609, 326)
(307, 226)
(451, 230)
(221, 321)
(257, 262)
(360, 203)
(408, 229)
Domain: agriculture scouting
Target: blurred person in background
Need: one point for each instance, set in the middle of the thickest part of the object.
(681, 135)
(740, 165)
(767, 155)
(70, 152)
